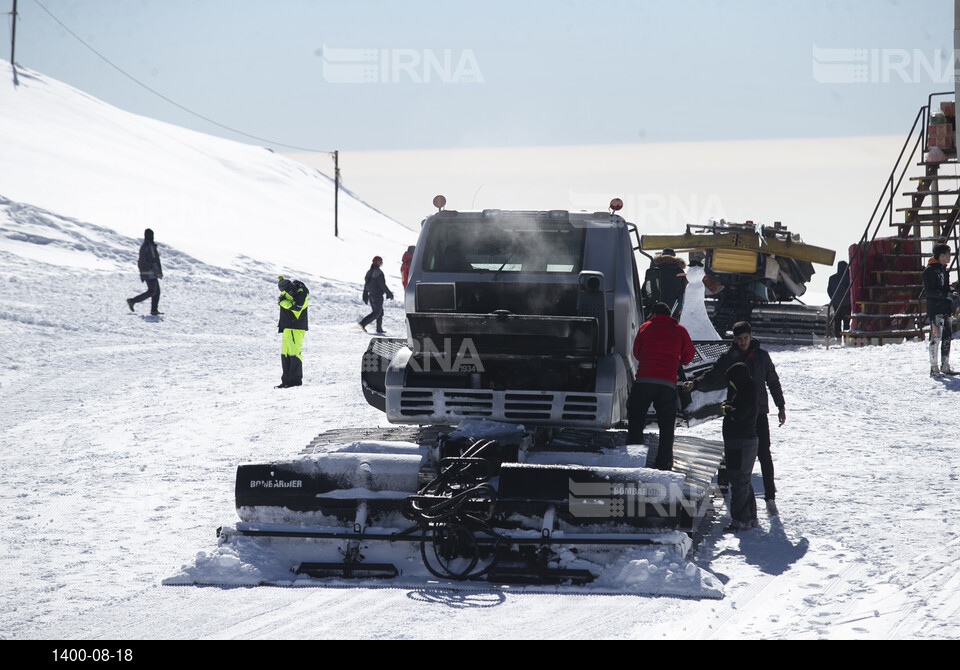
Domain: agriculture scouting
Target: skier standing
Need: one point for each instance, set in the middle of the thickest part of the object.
(151, 272)
(940, 308)
(374, 288)
(293, 324)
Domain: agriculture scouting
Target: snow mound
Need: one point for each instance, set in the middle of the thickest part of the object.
(694, 317)
(247, 561)
(659, 574)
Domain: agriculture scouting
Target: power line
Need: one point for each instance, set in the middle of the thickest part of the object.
(165, 98)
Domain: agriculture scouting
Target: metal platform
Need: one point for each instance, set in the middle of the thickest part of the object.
(786, 323)
(697, 459)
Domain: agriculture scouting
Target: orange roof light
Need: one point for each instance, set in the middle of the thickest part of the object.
(616, 204)
(439, 202)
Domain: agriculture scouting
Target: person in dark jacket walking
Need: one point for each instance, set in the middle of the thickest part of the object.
(838, 288)
(662, 345)
(940, 308)
(151, 272)
(745, 349)
(374, 288)
(293, 300)
(740, 411)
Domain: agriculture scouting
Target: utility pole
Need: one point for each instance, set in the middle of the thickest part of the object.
(13, 34)
(13, 42)
(336, 191)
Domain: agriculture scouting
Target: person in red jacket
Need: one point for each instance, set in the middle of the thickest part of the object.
(405, 265)
(662, 345)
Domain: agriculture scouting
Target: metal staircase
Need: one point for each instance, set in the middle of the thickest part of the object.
(886, 289)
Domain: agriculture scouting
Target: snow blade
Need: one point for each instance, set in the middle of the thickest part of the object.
(508, 575)
(348, 570)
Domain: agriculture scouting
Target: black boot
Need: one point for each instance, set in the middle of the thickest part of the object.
(285, 376)
(295, 375)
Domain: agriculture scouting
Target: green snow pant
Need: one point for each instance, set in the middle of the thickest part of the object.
(290, 359)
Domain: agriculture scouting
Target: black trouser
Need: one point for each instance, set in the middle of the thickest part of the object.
(292, 371)
(153, 292)
(376, 312)
(841, 321)
(664, 400)
(291, 359)
(740, 455)
(941, 334)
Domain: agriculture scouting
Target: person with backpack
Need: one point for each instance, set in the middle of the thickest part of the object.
(151, 273)
(293, 325)
(374, 288)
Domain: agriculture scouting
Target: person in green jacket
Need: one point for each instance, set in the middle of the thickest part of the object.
(293, 324)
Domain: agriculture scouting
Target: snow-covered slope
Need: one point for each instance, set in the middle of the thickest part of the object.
(120, 435)
(216, 200)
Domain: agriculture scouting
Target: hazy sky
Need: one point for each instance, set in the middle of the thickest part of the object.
(379, 74)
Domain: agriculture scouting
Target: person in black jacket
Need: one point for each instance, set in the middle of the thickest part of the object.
(293, 300)
(746, 349)
(838, 288)
(374, 288)
(940, 308)
(150, 272)
(740, 411)
(666, 281)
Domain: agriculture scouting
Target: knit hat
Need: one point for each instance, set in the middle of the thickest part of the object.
(283, 284)
(669, 252)
(739, 374)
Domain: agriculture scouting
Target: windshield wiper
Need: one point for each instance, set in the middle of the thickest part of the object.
(500, 269)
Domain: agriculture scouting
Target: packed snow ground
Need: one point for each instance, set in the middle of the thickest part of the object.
(120, 436)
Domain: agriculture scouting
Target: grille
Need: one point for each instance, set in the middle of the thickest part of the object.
(527, 406)
(516, 406)
(463, 403)
(580, 408)
(416, 403)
